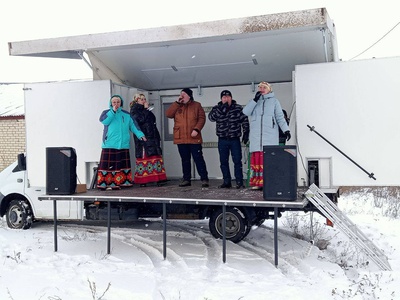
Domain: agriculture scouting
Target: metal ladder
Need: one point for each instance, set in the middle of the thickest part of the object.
(332, 212)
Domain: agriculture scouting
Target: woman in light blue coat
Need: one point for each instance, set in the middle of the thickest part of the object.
(114, 170)
(265, 115)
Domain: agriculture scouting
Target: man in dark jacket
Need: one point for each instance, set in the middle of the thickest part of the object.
(230, 121)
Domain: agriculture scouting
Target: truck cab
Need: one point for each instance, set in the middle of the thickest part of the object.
(14, 203)
(19, 200)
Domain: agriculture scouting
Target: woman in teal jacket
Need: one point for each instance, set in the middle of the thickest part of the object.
(265, 115)
(114, 170)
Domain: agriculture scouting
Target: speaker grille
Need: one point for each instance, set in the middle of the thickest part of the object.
(280, 173)
(60, 171)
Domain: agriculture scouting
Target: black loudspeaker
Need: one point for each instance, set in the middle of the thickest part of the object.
(280, 173)
(60, 171)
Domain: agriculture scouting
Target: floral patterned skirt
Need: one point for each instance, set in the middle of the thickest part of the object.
(149, 169)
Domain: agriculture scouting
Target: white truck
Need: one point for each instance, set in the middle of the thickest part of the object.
(71, 118)
(352, 104)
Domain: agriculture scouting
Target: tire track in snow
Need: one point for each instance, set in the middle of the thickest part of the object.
(153, 249)
(212, 248)
(267, 253)
(289, 262)
(134, 237)
(150, 252)
(141, 239)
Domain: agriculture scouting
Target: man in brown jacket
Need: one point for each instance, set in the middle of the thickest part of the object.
(189, 119)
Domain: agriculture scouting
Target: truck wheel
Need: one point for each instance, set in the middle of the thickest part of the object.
(248, 229)
(235, 224)
(258, 222)
(19, 215)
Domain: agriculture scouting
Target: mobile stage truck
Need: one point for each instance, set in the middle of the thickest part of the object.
(341, 113)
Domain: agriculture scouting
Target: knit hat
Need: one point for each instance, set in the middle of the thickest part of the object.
(265, 84)
(117, 96)
(189, 92)
(226, 93)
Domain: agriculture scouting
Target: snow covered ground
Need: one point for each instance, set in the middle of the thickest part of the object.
(135, 269)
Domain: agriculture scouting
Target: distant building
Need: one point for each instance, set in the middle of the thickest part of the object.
(12, 123)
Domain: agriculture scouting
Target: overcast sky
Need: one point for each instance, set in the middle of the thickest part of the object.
(359, 24)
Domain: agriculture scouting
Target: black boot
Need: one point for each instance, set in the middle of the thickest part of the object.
(225, 186)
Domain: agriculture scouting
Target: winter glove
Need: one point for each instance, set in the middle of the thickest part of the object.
(257, 96)
(287, 135)
(245, 140)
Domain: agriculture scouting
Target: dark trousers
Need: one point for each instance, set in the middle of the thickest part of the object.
(186, 151)
(225, 147)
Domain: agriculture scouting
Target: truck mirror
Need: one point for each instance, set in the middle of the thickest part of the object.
(21, 162)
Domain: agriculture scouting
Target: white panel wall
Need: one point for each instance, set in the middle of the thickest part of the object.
(64, 114)
(355, 105)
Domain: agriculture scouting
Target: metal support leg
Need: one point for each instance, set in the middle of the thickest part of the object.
(108, 227)
(223, 233)
(165, 230)
(55, 225)
(276, 235)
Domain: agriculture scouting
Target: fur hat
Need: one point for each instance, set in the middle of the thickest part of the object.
(189, 92)
(226, 93)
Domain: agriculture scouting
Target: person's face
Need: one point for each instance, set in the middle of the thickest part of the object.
(116, 102)
(185, 97)
(141, 100)
(226, 99)
(263, 89)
